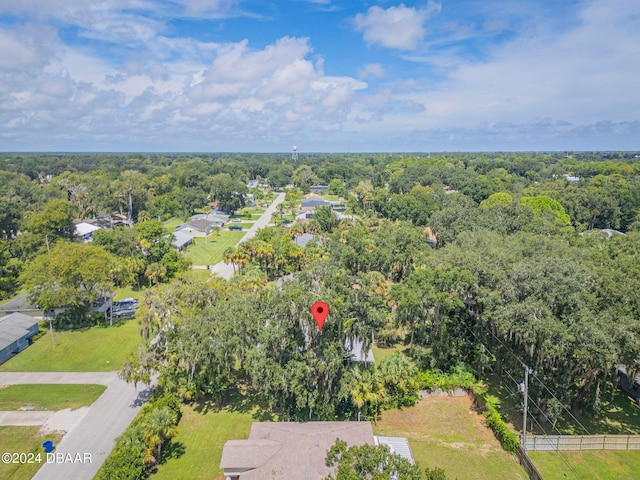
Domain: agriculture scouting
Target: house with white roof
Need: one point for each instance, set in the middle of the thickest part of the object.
(85, 231)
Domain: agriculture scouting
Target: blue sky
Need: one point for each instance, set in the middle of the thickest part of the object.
(325, 75)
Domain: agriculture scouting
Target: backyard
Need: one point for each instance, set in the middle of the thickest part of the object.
(618, 414)
(447, 432)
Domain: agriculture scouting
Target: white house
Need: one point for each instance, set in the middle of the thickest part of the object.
(85, 231)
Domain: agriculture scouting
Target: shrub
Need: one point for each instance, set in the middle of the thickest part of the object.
(493, 417)
(458, 377)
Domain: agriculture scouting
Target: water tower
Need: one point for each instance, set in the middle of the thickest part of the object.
(294, 154)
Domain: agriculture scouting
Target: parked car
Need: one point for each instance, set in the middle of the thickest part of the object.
(125, 308)
(235, 227)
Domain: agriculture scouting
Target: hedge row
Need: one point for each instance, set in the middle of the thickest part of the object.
(509, 440)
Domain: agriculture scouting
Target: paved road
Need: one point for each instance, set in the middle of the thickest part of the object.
(19, 303)
(225, 270)
(93, 437)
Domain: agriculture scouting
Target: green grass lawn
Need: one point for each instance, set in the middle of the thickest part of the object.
(331, 198)
(97, 349)
(48, 397)
(198, 273)
(172, 223)
(591, 465)
(446, 432)
(128, 292)
(197, 449)
(209, 251)
(379, 352)
(619, 414)
(22, 440)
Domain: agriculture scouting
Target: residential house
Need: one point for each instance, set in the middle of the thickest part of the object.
(84, 231)
(355, 350)
(289, 450)
(629, 383)
(181, 240)
(16, 331)
(196, 228)
(313, 202)
(217, 219)
(318, 188)
(304, 239)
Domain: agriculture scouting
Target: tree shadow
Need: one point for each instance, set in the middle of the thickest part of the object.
(143, 396)
(172, 450)
(237, 399)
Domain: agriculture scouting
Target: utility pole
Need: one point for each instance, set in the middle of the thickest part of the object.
(525, 390)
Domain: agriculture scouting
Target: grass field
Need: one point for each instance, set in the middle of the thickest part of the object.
(209, 252)
(197, 449)
(446, 432)
(592, 465)
(48, 397)
(22, 440)
(97, 349)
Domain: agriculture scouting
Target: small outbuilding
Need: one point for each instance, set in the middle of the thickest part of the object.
(16, 331)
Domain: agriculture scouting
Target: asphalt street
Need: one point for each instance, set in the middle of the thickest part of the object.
(85, 446)
(225, 270)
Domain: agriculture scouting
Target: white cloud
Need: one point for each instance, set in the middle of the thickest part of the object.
(398, 27)
(371, 70)
(537, 87)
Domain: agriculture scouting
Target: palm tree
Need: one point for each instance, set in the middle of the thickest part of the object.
(264, 251)
(155, 273)
(159, 426)
(240, 257)
(367, 389)
(228, 257)
(252, 279)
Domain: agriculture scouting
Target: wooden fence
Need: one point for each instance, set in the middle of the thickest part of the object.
(538, 443)
(527, 465)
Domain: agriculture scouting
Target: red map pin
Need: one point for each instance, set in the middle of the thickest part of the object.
(320, 310)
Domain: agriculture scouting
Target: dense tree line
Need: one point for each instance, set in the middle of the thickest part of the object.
(467, 258)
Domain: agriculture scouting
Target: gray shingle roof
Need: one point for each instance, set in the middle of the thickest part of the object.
(181, 239)
(13, 327)
(314, 202)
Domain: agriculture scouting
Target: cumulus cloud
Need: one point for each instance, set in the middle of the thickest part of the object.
(398, 27)
(150, 89)
(535, 91)
(371, 70)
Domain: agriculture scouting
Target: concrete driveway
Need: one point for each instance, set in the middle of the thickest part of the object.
(90, 438)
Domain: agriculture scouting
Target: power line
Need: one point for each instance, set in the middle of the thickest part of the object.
(557, 450)
(535, 377)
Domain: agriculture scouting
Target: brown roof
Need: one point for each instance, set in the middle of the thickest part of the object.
(201, 224)
(288, 450)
